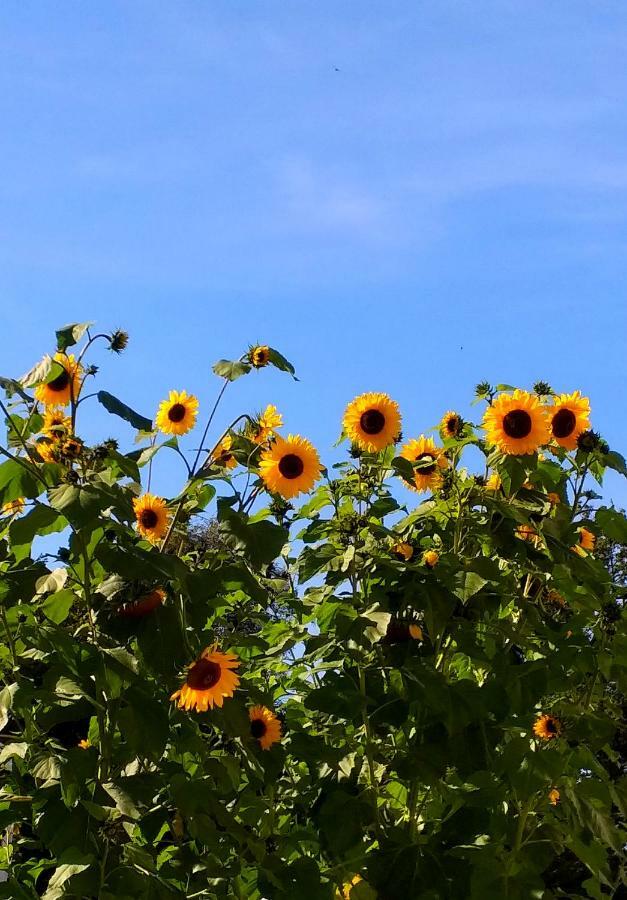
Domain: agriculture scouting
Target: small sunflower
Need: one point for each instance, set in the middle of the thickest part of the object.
(259, 356)
(555, 599)
(554, 796)
(528, 533)
(569, 416)
(345, 892)
(415, 632)
(432, 461)
(546, 727)
(372, 421)
(70, 448)
(210, 680)
(516, 423)
(177, 414)
(56, 423)
(451, 425)
(264, 726)
(222, 455)
(85, 744)
(553, 498)
(586, 542)
(152, 517)
(144, 604)
(48, 449)
(267, 423)
(403, 550)
(290, 467)
(14, 507)
(430, 558)
(65, 386)
(494, 482)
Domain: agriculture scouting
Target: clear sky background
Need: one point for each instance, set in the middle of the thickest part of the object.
(400, 196)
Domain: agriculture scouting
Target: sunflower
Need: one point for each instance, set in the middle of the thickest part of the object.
(177, 414)
(14, 507)
(65, 386)
(586, 542)
(264, 726)
(345, 892)
(546, 727)
(553, 498)
(430, 558)
(70, 448)
(516, 423)
(569, 416)
(290, 467)
(554, 796)
(451, 425)
(403, 550)
(415, 632)
(144, 604)
(432, 460)
(152, 517)
(528, 533)
(47, 449)
(222, 456)
(267, 423)
(259, 356)
(56, 422)
(209, 681)
(85, 744)
(494, 482)
(372, 421)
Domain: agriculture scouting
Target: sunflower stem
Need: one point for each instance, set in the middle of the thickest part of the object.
(374, 790)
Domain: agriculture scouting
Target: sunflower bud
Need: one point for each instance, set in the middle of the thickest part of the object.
(118, 341)
(91, 370)
(63, 554)
(588, 441)
(484, 389)
(542, 389)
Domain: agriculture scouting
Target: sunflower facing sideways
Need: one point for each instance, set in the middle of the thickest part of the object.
(65, 387)
(290, 466)
(516, 423)
(547, 727)
(267, 423)
(222, 455)
(152, 517)
(259, 356)
(209, 681)
(372, 421)
(569, 417)
(177, 414)
(56, 423)
(451, 425)
(264, 726)
(432, 461)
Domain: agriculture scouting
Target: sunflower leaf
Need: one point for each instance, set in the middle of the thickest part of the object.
(280, 362)
(71, 334)
(43, 372)
(231, 369)
(404, 468)
(11, 386)
(117, 408)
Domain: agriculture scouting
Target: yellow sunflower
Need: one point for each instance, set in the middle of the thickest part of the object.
(346, 891)
(553, 498)
(14, 507)
(415, 632)
(65, 386)
(264, 726)
(432, 460)
(528, 533)
(55, 422)
(152, 517)
(403, 550)
(290, 467)
(568, 417)
(451, 425)
(210, 680)
(586, 542)
(494, 482)
(372, 421)
(430, 558)
(267, 423)
(554, 796)
(546, 727)
(516, 423)
(222, 455)
(259, 356)
(48, 448)
(144, 604)
(85, 744)
(177, 414)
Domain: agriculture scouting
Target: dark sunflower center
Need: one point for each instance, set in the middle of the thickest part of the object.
(428, 469)
(60, 382)
(550, 726)
(517, 423)
(176, 413)
(258, 728)
(148, 518)
(452, 425)
(291, 466)
(372, 421)
(203, 675)
(563, 423)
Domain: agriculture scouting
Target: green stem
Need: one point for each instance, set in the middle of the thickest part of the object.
(10, 641)
(374, 790)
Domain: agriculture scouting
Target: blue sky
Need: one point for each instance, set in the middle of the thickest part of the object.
(400, 196)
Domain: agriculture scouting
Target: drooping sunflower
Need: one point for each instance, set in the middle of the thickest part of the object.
(259, 356)
(430, 558)
(586, 542)
(264, 726)
(222, 455)
(210, 680)
(290, 466)
(516, 423)
(65, 386)
(267, 423)
(372, 421)
(152, 517)
(56, 423)
(451, 425)
(547, 727)
(432, 462)
(144, 604)
(554, 796)
(569, 416)
(14, 507)
(177, 414)
(403, 550)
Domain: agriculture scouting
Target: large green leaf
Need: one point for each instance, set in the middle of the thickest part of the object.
(117, 408)
(71, 334)
(41, 520)
(231, 369)
(17, 481)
